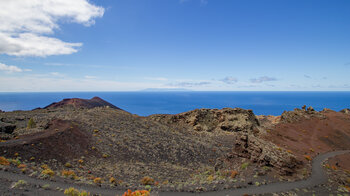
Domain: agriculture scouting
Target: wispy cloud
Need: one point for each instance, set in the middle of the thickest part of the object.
(307, 76)
(156, 78)
(11, 68)
(90, 77)
(189, 84)
(47, 83)
(25, 25)
(59, 64)
(57, 74)
(263, 79)
(229, 80)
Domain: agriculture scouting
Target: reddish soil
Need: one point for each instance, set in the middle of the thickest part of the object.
(310, 136)
(82, 103)
(62, 140)
(341, 161)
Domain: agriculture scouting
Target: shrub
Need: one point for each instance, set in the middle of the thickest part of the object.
(46, 186)
(44, 166)
(307, 157)
(68, 165)
(19, 184)
(15, 161)
(48, 171)
(244, 165)
(137, 193)
(4, 161)
(75, 192)
(210, 178)
(80, 161)
(112, 180)
(233, 174)
(147, 181)
(22, 166)
(98, 180)
(69, 174)
(31, 124)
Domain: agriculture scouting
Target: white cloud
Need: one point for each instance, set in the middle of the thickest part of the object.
(90, 77)
(190, 84)
(229, 80)
(44, 83)
(24, 25)
(263, 79)
(11, 68)
(57, 74)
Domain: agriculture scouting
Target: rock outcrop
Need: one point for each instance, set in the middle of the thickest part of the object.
(298, 114)
(210, 120)
(7, 128)
(248, 144)
(345, 111)
(265, 154)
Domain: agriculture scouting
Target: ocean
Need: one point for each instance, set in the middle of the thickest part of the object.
(147, 103)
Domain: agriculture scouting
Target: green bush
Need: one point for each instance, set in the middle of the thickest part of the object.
(31, 124)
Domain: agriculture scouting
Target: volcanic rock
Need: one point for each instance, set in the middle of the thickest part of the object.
(299, 114)
(227, 119)
(345, 111)
(81, 103)
(265, 154)
(7, 127)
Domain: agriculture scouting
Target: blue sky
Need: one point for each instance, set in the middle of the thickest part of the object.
(206, 45)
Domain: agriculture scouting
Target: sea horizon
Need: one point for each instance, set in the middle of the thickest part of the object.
(146, 103)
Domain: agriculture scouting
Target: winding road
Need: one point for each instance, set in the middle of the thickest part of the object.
(317, 177)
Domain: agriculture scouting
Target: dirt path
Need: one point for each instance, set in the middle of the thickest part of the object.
(317, 177)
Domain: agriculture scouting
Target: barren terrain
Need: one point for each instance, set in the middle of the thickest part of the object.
(94, 143)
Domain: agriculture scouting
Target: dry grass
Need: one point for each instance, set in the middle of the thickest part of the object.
(147, 181)
(4, 161)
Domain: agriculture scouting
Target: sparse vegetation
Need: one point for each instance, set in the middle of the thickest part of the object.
(75, 192)
(48, 172)
(69, 174)
(31, 124)
(98, 180)
(233, 174)
(147, 181)
(19, 184)
(68, 165)
(244, 165)
(4, 161)
(112, 180)
(307, 157)
(137, 193)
